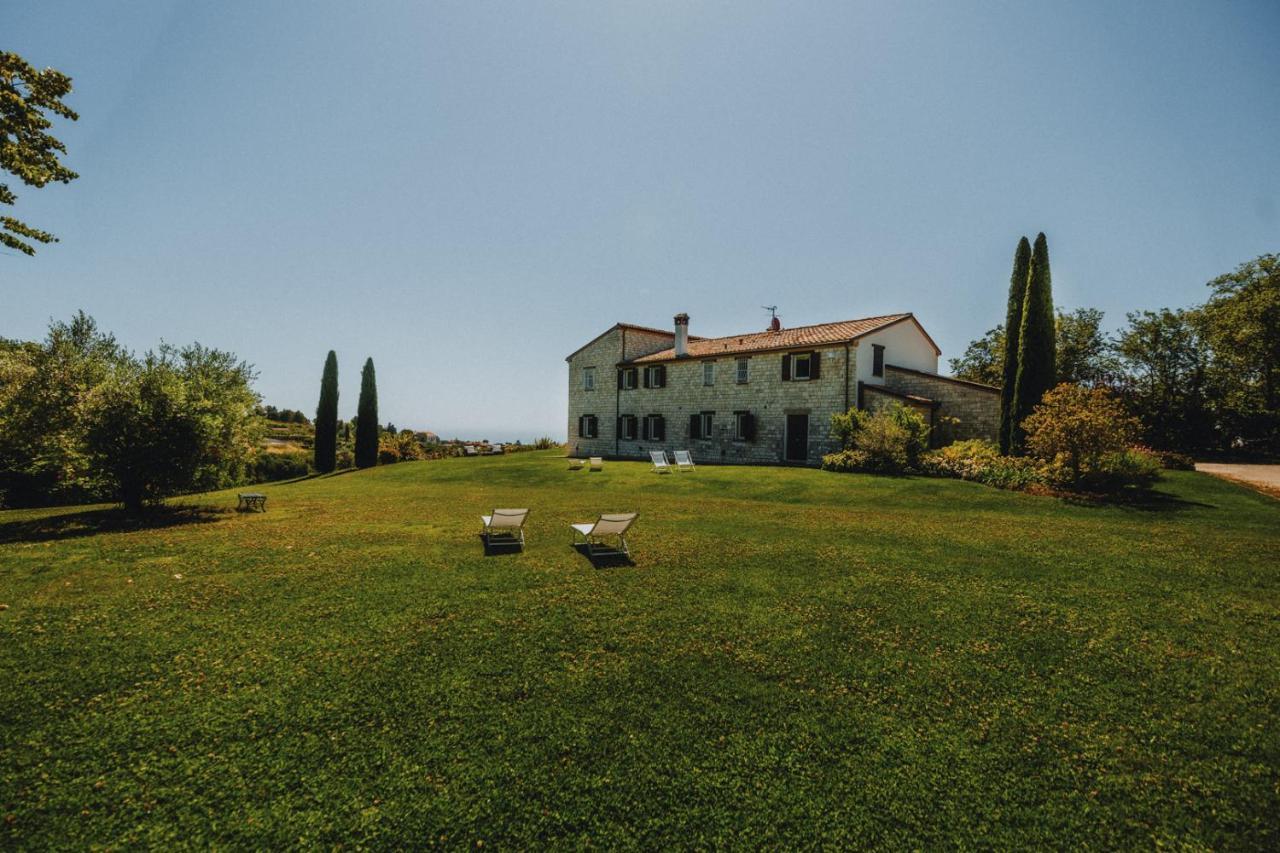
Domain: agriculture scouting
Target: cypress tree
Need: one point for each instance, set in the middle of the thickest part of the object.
(1036, 346)
(1012, 329)
(367, 419)
(327, 417)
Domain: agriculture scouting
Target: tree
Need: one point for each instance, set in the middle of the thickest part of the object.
(1241, 325)
(367, 419)
(1013, 331)
(1084, 355)
(45, 394)
(326, 442)
(27, 150)
(1165, 381)
(1036, 369)
(179, 420)
(983, 360)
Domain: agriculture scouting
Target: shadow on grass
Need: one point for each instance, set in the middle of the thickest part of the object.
(604, 559)
(496, 546)
(91, 522)
(1140, 500)
(305, 477)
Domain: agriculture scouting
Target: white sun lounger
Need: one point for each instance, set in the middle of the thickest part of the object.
(659, 459)
(597, 463)
(505, 523)
(607, 524)
(576, 464)
(684, 460)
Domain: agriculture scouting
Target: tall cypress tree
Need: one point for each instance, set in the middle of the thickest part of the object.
(1012, 330)
(367, 419)
(1037, 355)
(327, 417)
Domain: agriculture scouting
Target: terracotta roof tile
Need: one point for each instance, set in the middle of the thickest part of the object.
(800, 336)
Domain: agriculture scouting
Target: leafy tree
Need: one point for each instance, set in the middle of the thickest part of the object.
(180, 420)
(1036, 367)
(1013, 330)
(27, 150)
(1241, 325)
(326, 446)
(983, 360)
(1084, 355)
(45, 394)
(367, 419)
(1165, 382)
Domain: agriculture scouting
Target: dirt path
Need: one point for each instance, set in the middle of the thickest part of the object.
(1264, 478)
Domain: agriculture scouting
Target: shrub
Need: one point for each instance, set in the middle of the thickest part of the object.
(1075, 432)
(981, 462)
(279, 466)
(546, 442)
(1110, 472)
(1170, 460)
(888, 441)
(346, 458)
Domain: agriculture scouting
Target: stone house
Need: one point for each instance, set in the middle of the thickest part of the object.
(760, 397)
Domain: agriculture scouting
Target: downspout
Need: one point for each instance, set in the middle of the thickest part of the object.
(617, 398)
(846, 376)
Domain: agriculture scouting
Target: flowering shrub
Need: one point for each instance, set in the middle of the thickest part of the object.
(1081, 435)
(981, 462)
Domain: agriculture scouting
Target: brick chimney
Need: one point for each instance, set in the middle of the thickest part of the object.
(682, 335)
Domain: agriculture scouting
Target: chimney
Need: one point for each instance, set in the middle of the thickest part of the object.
(682, 335)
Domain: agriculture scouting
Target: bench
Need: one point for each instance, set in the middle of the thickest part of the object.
(251, 501)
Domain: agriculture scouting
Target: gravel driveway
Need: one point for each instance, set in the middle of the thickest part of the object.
(1265, 478)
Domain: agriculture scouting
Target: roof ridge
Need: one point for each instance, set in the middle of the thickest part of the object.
(898, 316)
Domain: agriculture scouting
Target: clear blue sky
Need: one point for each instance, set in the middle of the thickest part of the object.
(468, 191)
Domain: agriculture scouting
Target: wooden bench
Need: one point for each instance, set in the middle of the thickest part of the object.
(251, 501)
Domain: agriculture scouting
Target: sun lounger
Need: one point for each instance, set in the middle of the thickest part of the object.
(684, 460)
(607, 525)
(504, 525)
(597, 463)
(576, 464)
(659, 459)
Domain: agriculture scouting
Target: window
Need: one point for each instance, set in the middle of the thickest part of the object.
(627, 427)
(801, 366)
(628, 378)
(744, 366)
(588, 379)
(744, 426)
(700, 424)
(877, 360)
(708, 373)
(655, 428)
(588, 427)
(656, 376)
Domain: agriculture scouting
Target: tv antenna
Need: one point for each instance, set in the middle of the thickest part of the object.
(773, 311)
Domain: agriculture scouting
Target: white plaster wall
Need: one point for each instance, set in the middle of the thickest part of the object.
(904, 345)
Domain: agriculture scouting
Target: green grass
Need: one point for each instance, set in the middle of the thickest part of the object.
(795, 656)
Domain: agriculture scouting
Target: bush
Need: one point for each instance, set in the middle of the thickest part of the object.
(345, 458)
(981, 462)
(1111, 472)
(546, 442)
(279, 466)
(1081, 435)
(888, 441)
(1170, 460)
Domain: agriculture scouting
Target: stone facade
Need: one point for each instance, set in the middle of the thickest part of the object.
(975, 408)
(690, 389)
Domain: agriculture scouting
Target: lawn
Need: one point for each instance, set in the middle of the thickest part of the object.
(794, 657)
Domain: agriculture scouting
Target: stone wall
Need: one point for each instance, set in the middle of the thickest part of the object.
(975, 407)
(764, 395)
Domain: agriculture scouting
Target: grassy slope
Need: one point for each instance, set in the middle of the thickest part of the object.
(795, 653)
